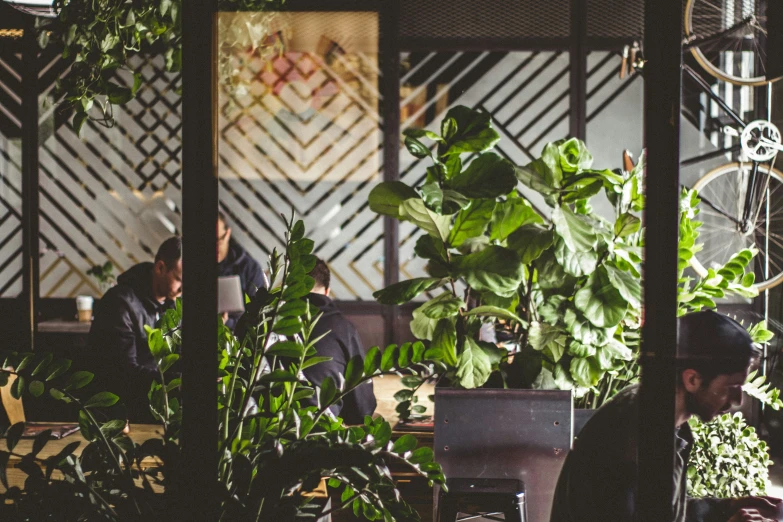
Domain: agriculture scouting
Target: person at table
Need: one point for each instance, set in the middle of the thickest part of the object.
(341, 343)
(599, 478)
(118, 341)
(234, 260)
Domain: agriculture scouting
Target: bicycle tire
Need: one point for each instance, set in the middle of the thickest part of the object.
(704, 18)
(715, 187)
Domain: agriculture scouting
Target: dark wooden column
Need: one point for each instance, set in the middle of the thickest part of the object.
(197, 499)
(390, 88)
(578, 73)
(30, 203)
(663, 86)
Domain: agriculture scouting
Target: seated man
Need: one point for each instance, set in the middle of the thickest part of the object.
(124, 364)
(341, 344)
(599, 478)
(234, 260)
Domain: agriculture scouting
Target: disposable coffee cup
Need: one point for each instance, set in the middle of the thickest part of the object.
(84, 308)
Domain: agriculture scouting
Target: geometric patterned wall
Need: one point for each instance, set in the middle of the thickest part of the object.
(49, 67)
(113, 193)
(303, 132)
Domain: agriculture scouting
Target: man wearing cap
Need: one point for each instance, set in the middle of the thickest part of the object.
(599, 479)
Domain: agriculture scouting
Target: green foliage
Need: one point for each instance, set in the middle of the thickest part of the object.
(269, 454)
(104, 274)
(728, 459)
(567, 292)
(757, 387)
(101, 36)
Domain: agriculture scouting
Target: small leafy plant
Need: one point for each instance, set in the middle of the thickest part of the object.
(104, 274)
(728, 459)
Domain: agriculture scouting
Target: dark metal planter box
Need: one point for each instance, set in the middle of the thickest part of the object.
(497, 433)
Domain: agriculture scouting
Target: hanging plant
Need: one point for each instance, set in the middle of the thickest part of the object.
(100, 37)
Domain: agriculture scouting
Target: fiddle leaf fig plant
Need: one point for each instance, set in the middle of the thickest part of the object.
(551, 299)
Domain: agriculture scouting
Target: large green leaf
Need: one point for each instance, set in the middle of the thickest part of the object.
(577, 264)
(534, 176)
(583, 331)
(542, 336)
(487, 176)
(415, 211)
(618, 350)
(530, 241)
(549, 164)
(432, 195)
(585, 372)
(428, 247)
(494, 269)
(600, 301)
(629, 286)
(511, 214)
(493, 311)
(385, 198)
(422, 327)
(404, 291)
(474, 132)
(551, 275)
(578, 234)
(474, 365)
(442, 306)
(101, 400)
(471, 221)
(574, 156)
(444, 344)
(626, 225)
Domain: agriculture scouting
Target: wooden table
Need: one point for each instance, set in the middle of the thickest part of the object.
(140, 433)
(414, 488)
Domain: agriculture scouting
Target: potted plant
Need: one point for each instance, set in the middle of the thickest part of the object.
(562, 290)
(269, 458)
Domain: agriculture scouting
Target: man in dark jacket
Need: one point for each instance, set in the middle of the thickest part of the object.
(234, 260)
(118, 341)
(599, 478)
(341, 344)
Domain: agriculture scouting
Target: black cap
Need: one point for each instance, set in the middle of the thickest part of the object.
(708, 336)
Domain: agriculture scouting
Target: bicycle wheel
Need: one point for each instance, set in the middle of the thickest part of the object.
(738, 56)
(722, 192)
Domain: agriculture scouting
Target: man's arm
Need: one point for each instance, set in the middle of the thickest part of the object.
(361, 401)
(256, 278)
(119, 339)
(327, 347)
(732, 509)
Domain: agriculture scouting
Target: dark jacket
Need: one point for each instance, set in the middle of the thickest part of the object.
(118, 342)
(599, 478)
(341, 344)
(239, 262)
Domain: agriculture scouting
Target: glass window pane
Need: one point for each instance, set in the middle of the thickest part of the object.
(299, 129)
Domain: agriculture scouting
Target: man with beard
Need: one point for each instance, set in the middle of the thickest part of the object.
(599, 478)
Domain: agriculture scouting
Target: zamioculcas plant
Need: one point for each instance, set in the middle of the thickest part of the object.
(277, 438)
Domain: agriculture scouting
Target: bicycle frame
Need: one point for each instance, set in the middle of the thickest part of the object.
(747, 220)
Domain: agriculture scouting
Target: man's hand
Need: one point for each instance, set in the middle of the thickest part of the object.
(766, 506)
(750, 515)
(754, 509)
